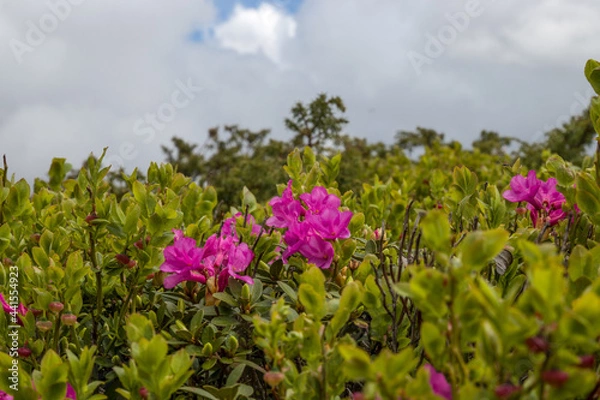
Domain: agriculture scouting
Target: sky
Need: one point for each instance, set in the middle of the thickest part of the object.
(79, 75)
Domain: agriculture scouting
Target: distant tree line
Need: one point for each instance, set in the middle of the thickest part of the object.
(233, 157)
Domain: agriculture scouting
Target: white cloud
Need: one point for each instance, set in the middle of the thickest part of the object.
(252, 30)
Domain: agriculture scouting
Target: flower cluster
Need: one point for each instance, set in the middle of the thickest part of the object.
(312, 222)
(543, 200)
(221, 257)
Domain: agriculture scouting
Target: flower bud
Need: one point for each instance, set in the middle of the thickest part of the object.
(232, 344)
(139, 244)
(35, 312)
(35, 237)
(131, 264)
(537, 344)
(144, 393)
(586, 361)
(123, 258)
(246, 295)
(24, 352)
(90, 217)
(56, 306)
(44, 326)
(555, 378)
(521, 210)
(506, 390)
(207, 350)
(8, 261)
(273, 378)
(68, 319)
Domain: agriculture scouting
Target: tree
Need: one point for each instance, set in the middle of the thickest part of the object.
(492, 143)
(408, 140)
(317, 123)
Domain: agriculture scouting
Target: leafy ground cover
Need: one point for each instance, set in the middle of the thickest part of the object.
(447, 280)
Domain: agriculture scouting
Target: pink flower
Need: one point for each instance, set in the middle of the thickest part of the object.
(523, 189)
(544, 201)
(5, 396)
(331, 223)
(317, 251)
(71, 392)
(239, 258)
(310, 229)
(220, 257)
(286, 210)
(182, 259)
(319, 200)
(438, 383)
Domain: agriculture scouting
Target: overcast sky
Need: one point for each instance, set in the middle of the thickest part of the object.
(79, 75)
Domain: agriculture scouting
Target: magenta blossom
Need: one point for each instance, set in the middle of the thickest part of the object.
(319, 200)
(331, 223)
(311, 225)
(523, 189)
(438, 383)
(221, 257)
(286, 210)
(183, 260)
(5, 396)
(71, 392)
(544, 202)
(317, 251)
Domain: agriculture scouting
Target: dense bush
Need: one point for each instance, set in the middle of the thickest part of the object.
(459, 276)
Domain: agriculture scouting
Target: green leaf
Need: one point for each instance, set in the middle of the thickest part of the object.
(592, 73)
(58, 171)
(588, 196)
(436, 231)
(350, 300)
(595, 114)
(433, 341)
(480, 247)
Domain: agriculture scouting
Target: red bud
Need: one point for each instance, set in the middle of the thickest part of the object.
(56, 306)
(24, 352)
(555, 377)
(35, 312)
(68, 319)
(44, 326)
(273, 378)
(91, 216)
(586, 361)
(537, 344)
(506, 390)
(123, 258)
(144, 393)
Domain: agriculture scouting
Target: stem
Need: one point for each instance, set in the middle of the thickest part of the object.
(597, 161)
(75, 338)
(57, 335)
(455, 339)
(132, 290)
